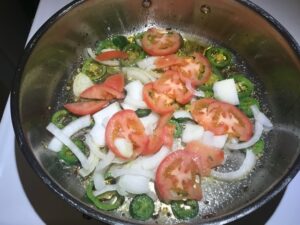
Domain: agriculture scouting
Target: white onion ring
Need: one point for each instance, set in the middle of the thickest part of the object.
(92, 162)
(261, 118)
(66, 140)
(147, 63)
(192, 89)
(256, 136)
(72, 128)
(248, 164)
(134, 184)
(112, 187)
(152, 162)
(132, 171)
(93, 147)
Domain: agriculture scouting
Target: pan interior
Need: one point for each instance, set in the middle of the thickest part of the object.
(267, 58)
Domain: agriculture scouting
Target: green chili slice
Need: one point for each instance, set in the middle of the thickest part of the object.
(120, 41)
(185, 209)
(246, 103)
(61, 118)
(107, 201)
(178, 127)
(67, 155)
(258, 147)
(94, 70)
(141, 207)
(243, 85)
(218, 57)
(135, 53)
(142, 112)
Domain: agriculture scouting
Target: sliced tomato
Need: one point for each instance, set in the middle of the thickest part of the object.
(158, 102)
(167, 61)
(85, 108)
(197, 70)
(177, 177)
(162, 135)
(170, 84)
(114, 54)
(116, 82)
(222, 118)
(158, 42)
(126, 124)
(102, 92)
(206, 157)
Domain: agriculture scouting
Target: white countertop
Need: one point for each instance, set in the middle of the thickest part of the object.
(15, 207)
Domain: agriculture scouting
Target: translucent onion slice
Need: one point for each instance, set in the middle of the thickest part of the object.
(93, 147)
(92, 163)
(182, 114)
(256, 136)
(134, 184)
(142, 75)
(111, 187)
(72, 128)
(248, 164)
(147, 63)
(152, 162)
(66, 140)
(196, 93)
(132, 171)
(261, 118)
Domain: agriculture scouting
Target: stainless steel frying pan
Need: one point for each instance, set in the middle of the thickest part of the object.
(270, 54)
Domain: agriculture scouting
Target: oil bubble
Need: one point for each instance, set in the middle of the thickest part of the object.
(205, 9)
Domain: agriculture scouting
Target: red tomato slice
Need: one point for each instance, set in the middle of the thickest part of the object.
(114, 54)
(206, 157)
(159, 42)
(162, 135)
(116, 82)
(170, 84)
(101, 91)
(168, 61)
(197, 70)
(126, 124)
(85, 108)
(176, 177)
(222, 118)
(158, 102)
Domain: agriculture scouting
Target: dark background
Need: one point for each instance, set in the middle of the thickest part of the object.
(15, 21)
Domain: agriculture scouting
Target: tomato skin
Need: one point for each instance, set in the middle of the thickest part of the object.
(158, 102)
(102, 92)
(162, 135)
(176, 177)
(114, 54)
(126, 124)
(157, 42)
(116, 82)
(170, 84)
(206, 157)
(85, 108)
(222, 118)
(197, 70)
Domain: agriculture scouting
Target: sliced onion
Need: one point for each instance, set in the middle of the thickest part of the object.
(152, 162)
(99, 181)
(150, 122)
(66, 140)
(182, 114)
(138, 74)
(93, 147)
(134, 184)
(196, 93)
(256, 136)
(92, 163)
(217, 141)
(91, 53)
(98, 134)
(138, 104)
(248, 164)
(81, 83)
(147, 63)
(132, 171)
(111, 187)
(106, 161)
(261, 118)
(225, 90)
(192, 132)
(72, 128)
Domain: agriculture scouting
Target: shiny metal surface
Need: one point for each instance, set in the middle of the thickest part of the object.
(273, 62)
